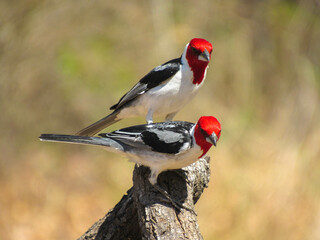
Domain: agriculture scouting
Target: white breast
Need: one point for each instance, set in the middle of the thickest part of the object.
(168, 97)
(162, 161)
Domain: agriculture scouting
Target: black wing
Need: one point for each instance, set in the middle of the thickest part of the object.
(154, 78)
(169, 137)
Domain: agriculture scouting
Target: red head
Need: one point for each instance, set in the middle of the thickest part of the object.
(198, 56)
(207, 132)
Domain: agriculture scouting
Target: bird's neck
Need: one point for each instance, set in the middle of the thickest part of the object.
(201, 141)
(197, 67)
(199, 70)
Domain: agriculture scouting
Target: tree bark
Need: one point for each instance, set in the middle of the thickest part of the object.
(144, 213)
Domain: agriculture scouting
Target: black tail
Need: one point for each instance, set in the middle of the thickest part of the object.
(99, 125)
(107, 142)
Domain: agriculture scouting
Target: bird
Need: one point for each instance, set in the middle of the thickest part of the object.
(160, 146)
(164, 90)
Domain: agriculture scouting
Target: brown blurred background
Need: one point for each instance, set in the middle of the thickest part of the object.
(63, 63)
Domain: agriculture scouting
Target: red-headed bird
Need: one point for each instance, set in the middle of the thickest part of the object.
(164, 90)
(159, 146)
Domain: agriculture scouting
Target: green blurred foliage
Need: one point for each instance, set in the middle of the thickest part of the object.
(64, 63)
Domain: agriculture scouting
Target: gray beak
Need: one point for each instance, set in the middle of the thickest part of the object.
(205, 56)
(213, 139)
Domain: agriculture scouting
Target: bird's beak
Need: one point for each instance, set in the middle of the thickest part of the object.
(204, 56)
(213, 139)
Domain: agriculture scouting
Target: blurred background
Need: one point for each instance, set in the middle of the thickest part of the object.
(63, 63)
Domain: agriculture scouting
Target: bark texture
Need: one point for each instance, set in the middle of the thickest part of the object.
(144, 213)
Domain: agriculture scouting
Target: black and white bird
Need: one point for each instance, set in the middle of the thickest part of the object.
(164, 90)
(159, 146)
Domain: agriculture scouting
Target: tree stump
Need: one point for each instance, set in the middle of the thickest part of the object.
(144, 213)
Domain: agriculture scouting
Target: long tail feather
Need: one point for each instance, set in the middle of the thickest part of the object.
(107, 142)
(99, 125)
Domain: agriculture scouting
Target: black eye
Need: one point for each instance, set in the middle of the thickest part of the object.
(196, 51)
(204, 133)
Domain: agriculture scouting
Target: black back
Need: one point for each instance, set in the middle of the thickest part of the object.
(166, 137)
(154, 78)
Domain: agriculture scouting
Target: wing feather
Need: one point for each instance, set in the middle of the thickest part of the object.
(171, 137)
(154, 78)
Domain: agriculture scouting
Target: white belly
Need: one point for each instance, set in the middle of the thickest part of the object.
(162, 161)
(166, 98)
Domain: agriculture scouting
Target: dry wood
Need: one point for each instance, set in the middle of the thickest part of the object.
(144, 213)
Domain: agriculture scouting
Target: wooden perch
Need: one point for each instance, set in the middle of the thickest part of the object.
(144, 213)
